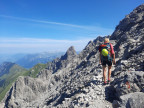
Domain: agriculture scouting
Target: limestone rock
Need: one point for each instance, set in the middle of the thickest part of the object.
(131, 100)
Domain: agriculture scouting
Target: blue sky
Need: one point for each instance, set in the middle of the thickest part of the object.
(29, 26)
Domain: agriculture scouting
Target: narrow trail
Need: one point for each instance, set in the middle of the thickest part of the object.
(96, 95)
(100, 92)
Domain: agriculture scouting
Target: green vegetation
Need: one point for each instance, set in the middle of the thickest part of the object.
(4, 91)
(15, 71)
(35, 70)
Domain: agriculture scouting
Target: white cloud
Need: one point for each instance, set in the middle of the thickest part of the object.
(42, 21)
(20, 45)
(32, 45)
(89, 28)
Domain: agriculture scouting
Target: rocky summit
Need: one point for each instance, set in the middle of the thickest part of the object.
(75, 80)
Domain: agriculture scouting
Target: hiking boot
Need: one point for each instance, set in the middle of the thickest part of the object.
(108, 82)
(105, 83)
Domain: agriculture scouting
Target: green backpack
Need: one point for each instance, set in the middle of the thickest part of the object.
(105, 52)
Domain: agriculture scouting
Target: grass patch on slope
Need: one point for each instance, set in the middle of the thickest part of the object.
(35, 70)
(14, 72)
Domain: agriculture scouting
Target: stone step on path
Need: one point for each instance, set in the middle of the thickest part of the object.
(2, 105)
(94, 96)
(100, 94)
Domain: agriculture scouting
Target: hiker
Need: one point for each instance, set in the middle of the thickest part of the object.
(107, 57)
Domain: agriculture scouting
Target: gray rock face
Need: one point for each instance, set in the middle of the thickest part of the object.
(129, 71)
(25, 90)
(132, 22)
(76, 80)
(70, 54)
(131, 100)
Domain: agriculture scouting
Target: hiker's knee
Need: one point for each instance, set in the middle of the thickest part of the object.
(104, 67)
(109, 67)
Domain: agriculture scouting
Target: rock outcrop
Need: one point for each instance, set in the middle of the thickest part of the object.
(76, 80)
(131, 100)
(129, 71)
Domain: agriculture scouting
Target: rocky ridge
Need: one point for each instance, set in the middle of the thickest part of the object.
(129, 71)
(76, 80)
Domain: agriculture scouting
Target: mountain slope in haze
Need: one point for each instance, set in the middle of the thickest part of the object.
(75, 80)
(30, 60)
(10, 57)
(5, 67)
(8, 74)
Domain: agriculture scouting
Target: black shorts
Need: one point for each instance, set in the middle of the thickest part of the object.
(109, 63)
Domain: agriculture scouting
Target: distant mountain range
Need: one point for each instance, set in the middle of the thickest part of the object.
(5, 67)
(29, 60)
(10, 57)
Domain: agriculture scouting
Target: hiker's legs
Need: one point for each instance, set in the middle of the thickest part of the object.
(109, 72)
(104, 73)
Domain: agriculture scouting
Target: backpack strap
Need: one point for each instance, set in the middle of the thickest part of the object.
(109, 55)
(108, 47)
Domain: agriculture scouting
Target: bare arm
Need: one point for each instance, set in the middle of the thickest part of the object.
(113, 54)
(100, 58)
(114, 62)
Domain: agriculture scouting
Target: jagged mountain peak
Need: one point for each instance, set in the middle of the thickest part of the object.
(70, 54)
(132, 22)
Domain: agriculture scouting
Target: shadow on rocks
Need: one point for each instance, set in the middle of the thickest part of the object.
(97, 82)
(110, 94)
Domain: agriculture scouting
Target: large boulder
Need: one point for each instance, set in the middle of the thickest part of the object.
(131, 100)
